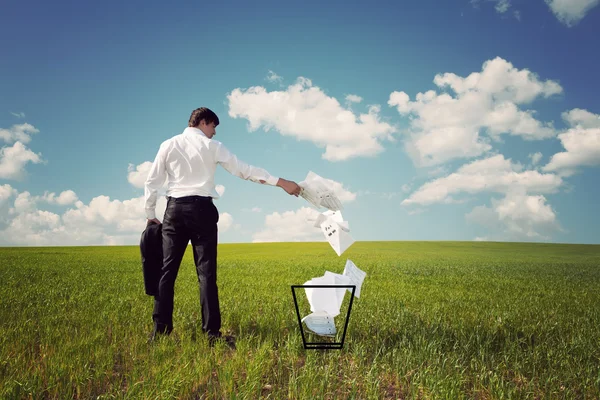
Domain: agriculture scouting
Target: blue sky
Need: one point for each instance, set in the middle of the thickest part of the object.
(436, 120)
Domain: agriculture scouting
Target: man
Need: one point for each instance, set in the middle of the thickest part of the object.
(189, 161)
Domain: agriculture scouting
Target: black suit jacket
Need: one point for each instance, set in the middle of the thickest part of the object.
(152, 257)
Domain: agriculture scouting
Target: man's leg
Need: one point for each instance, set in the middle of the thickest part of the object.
(203, 230)
(175, 238)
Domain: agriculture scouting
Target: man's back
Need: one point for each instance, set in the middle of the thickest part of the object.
(190, 163)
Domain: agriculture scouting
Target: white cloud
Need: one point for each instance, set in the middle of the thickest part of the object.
(581, 118)
(101, 222)
(502, 6)
(137, 175)
(64, 198)
(570, 12)
(220, 189)
(104, 212)
(273, 77)
(444, 127)
(517, 217)
(256, 209)
(290, 226)
(494, 174)
(225, 222)
(24, 202)
(13, 160)
(305, 112)
(7, 192)
(352, 98)
(581, 142)
(18, 133)
(535, 157)
(18, 115)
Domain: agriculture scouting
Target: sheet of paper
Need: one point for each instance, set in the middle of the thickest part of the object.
(337, 217)
(323, 299)
(319, 192)
(320, 323)
(356, 275)
(338, 238)
(320, 219)
(339, 279)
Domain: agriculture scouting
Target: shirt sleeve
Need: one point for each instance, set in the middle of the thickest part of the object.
(242, 170)
(155, 180)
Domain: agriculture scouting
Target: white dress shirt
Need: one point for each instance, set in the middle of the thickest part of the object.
(189, 160)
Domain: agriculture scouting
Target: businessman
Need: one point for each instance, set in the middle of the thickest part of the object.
(188, 161)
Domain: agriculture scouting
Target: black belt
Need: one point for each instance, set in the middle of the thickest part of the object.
(189, 199)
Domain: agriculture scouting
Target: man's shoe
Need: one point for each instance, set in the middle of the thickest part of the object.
(159, 331)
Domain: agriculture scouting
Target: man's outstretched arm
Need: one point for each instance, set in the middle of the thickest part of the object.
(245, 171)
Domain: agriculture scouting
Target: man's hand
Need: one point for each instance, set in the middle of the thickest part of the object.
(152, 221)
(290, 187)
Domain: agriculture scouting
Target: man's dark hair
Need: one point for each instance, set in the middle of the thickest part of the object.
(205, 114)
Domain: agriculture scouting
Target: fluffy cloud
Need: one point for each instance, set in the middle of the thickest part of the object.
(225, 222)
(581, 142)
(290, 226)
(570, 12)
(137, 174)
(517, 217)
(220, 189)
(305, 112)
(64, 198)
(13, 160)
(502, 6)
(581, 118)
(535, 157)
(112, 214)
(352, 98)
(101, 222)
(494, 174)
(444, 127)
(18, 133)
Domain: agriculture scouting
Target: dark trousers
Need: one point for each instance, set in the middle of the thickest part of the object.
(190, 218)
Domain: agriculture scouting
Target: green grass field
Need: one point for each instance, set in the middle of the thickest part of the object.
(434, 320)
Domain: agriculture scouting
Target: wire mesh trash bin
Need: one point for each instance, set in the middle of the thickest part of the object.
(323, 345)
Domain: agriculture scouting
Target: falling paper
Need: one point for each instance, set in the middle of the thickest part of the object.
(337, 234)
(355, 275)
(335, 216)
(325, 303)
(339, 292)
(320, 323)
(323, 299)
(319, 192)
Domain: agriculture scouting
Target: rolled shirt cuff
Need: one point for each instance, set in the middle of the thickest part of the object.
(272, 180)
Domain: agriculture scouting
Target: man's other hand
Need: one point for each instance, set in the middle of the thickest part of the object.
(152, 221)
(290, 187)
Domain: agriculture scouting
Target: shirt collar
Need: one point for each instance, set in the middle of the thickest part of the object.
(193, 131)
